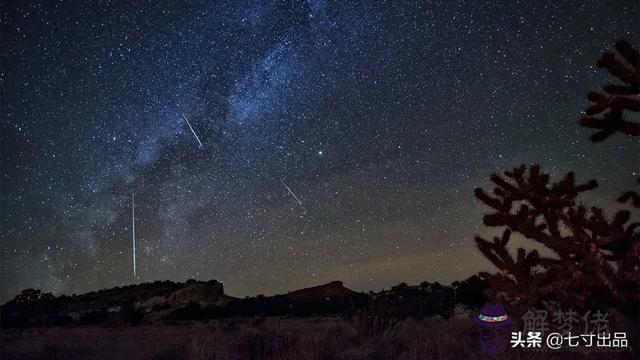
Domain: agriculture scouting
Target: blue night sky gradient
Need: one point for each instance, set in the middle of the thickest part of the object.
(380, 117)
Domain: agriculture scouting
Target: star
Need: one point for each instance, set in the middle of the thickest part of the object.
(381, 120)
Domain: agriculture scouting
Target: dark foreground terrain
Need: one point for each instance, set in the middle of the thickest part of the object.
(266, 338)
(197, 320)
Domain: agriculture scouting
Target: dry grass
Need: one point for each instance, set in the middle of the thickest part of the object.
(271, 338)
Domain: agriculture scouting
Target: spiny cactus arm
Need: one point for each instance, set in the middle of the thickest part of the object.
(536, 198)
(603, 100)
(605, 113)
(627, 73)
(620, 219)
(630, 53)
(608, 125)
(534, 189)
(630, 266)
(630, 195)
(620, 239)
(497, 252)
(603, 271)
(514, 191)
(575, 220)
(568, 190)
(492, 202)
(520, 268)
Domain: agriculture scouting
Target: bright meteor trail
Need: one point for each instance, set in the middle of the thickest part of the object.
(291, 192)
(133, 232)
(193, 131)
(350, 102)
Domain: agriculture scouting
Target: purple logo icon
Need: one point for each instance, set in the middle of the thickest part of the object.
(494, 322)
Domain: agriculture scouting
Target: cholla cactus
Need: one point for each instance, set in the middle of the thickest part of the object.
(606, 111)
(591, 259)
(607, 108)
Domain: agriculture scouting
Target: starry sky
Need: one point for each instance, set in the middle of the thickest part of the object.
(340, 140)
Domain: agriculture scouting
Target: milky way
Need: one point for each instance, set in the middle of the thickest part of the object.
(382, 117)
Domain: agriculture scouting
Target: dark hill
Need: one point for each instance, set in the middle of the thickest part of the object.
(127, 304)
(332, 289)
(198, 300)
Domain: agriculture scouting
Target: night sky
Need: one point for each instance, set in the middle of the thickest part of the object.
(379, 118)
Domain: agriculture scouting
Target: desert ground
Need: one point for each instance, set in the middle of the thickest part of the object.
(266, 338)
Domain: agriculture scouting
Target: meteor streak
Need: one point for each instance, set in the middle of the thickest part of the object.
(193, 131)
(133, 231)
(291, 192)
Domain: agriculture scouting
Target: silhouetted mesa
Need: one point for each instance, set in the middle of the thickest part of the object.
(200, 300)
(332, 289)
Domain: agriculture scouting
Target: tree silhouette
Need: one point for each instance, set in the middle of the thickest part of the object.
(592, 261)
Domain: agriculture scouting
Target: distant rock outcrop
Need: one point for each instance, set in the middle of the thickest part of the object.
(332, 289)
(203, 294)
(129, 304)
(197, 300)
